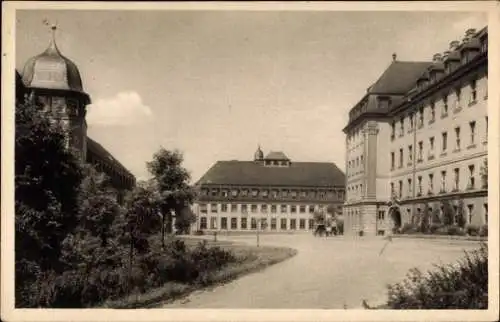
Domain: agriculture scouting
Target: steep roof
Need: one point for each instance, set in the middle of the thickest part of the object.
(101, 152)
(399, 77)
(312, 174)
(276, 155)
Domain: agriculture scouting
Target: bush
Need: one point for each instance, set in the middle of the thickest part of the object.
(463, 286)
(409, 228)
(434, 228)
(483, 231)
(199, 233)
(472, 230)
(455, 231)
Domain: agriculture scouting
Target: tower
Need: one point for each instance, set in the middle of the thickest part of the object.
(55, 84)
(258, 155)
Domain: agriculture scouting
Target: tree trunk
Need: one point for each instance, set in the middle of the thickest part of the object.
(163, 218)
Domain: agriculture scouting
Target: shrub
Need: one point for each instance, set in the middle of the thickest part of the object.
(483, 231)
(455, 231)
(433, 228)
(409, 228)
(472, 230)
(463, 286)
(199, 233)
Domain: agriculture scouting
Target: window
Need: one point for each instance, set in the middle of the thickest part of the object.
(419, 192)
(255, 192)
(392, 160)
(284, 193)
(445, 140)
(293, 209)
(244, 223)
(204, 192)
(361, 161)
(473, 88)
(457, 178)
(409, 188)
(410, 153)
(310, 223)
(203, 223)
(223, 207)
(214, 192)
(472, 126)
(263, 208)
(445, 106)
(433, 113)
(264, 193)
(234, 192)
(213, 222)
(393, 130)
(203, 208)
(302, 223)
(253, 223)
(400, 189)
(244, 192)
(253, 208)
(400, 158)
(443, 181)
(392, 189)
(263, 223)
(431, 182)
(420, 150)
(234, 223)
(293, 224)
(421, 117)
(303, 194)
(471, 177)
(223, 223)
(274, 193)
(381, 215)
(294, 194)
(283, 209)
(244, 209)
(283, 223)
(311, 209)
(302, 209)
(458, 92)
(411, 122)
(486, 213)
(213, 207)
(225, 193)
(457, 135)
(431, 144)
(234, 207)
(402, 126)
(273, 209)
(273, 223)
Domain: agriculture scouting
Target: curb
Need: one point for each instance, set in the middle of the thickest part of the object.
(442, 237)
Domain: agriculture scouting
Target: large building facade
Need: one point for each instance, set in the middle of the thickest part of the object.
(53, 82)
(418, 138)
(270, 193)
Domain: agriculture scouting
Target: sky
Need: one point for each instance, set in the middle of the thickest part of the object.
(216, 84)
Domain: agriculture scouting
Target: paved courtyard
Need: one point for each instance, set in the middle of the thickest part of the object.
(327, 273)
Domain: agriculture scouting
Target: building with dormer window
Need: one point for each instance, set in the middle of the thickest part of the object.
(447, 99)
(272, 193)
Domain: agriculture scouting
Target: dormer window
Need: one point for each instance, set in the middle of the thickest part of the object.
(215, 192)
(255, 192)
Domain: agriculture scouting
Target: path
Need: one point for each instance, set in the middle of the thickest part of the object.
(327, 273)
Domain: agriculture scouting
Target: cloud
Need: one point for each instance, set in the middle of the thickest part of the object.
(125, 108)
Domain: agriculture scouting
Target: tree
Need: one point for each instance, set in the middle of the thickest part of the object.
(47, 179)
(319, 217)
(184, 219)
(424, 221)
(461, 221)
(172, 183)
(448, 213)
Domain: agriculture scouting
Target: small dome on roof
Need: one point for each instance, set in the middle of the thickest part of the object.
(259, 155)
(52, 70)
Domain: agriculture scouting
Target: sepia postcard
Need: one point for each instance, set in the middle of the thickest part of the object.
(250, 161)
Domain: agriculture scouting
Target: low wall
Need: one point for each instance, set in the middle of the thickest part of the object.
(445, 237)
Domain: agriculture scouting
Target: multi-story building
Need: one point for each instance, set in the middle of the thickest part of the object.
(419, 136)
(270, 193)
(53, 82)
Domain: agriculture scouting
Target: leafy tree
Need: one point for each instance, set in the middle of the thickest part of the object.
(184, 219)
(461, 221)
(448, 213)
(172, 183)
(424, 222)
(47, 177)
(319, 217)
(436, 216)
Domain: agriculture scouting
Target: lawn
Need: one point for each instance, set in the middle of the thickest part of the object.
(252, 259)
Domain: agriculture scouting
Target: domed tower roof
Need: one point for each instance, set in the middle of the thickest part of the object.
(52, 70)
(259, 155)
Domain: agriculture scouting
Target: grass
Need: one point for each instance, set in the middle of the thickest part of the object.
(252, 259)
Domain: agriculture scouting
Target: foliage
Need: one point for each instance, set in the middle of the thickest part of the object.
(409, 228)
(436, 216)
(184, 219)
(483, 231)
(460, 214)
(461, 286)
(472, 230)
(448, 213)
(171, 181)
(424, 221)
(319, 217)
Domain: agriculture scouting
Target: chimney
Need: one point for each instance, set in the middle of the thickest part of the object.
(394, 56)
(454, 44)
(436, 58)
